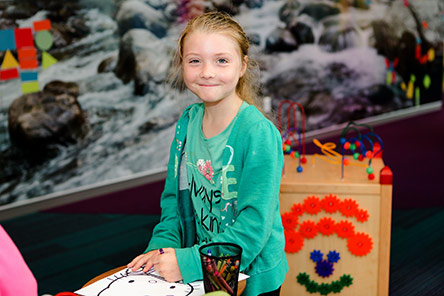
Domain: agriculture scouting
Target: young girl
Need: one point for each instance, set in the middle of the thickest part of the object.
(225, 164)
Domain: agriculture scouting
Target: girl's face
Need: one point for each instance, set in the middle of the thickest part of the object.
(212, 66)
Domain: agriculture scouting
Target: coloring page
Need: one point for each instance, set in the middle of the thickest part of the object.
(138, 283)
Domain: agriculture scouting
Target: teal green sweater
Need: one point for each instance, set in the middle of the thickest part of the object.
(250, 185)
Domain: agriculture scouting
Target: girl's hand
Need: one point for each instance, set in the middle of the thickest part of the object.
(166, 265)
(144, 259)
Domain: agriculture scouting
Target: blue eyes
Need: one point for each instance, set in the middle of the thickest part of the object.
(218, 61)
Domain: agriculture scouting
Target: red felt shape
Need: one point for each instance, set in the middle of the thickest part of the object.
(23, 37)
(42, 25)
(9, 74)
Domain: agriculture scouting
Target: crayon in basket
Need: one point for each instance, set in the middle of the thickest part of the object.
(224, 266)
(232, 270)
(216, 285)
(208, 267)
(215, 277)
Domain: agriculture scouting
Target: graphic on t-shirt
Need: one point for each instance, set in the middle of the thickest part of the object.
(206, 169)
(226, 193)
(207, 198)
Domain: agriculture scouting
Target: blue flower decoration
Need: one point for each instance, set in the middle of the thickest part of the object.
(333, 256)
(324, 268)
(316, 255)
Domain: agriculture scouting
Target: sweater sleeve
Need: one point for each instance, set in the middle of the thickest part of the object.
(167, 231)
(258, 177)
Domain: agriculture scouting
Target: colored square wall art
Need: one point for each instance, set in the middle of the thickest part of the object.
(20, 58)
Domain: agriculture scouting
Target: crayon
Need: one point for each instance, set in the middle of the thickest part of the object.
(224, 283)
(209, 268)
(213, 265)
(220, 263)
(219, 284)
(227, 269)
(212, 277)
(211, 284)
(227, 263)
(232, 270)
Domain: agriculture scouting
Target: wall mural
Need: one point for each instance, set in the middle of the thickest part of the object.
(82, 92)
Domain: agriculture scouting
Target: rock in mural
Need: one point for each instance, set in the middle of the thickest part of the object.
(52, 116)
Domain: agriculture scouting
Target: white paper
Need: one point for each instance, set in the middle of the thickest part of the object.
(138, 283)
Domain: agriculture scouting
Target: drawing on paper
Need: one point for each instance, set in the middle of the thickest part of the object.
(139, 283)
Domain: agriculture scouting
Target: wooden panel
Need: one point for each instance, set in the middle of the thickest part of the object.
(369, 272)
(317, 172)
(384, 242)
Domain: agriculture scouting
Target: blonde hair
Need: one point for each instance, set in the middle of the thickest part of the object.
(248, 85)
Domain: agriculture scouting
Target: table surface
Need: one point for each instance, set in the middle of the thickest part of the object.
(240, 289)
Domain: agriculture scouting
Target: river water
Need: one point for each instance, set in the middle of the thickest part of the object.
(118, 144)
(121, 142)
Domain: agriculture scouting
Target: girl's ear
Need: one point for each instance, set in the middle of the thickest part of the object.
(244, 65)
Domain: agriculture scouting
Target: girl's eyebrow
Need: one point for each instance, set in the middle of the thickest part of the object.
(216, 54)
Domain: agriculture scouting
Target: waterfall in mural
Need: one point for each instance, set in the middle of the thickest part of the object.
(340, 62)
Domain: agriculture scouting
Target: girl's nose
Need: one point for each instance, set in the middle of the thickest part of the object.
(207, 71)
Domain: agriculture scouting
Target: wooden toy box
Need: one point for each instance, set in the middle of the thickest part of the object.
(363, 249)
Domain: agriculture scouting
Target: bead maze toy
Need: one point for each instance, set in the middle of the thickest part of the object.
(289, 139)
(365, 145)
